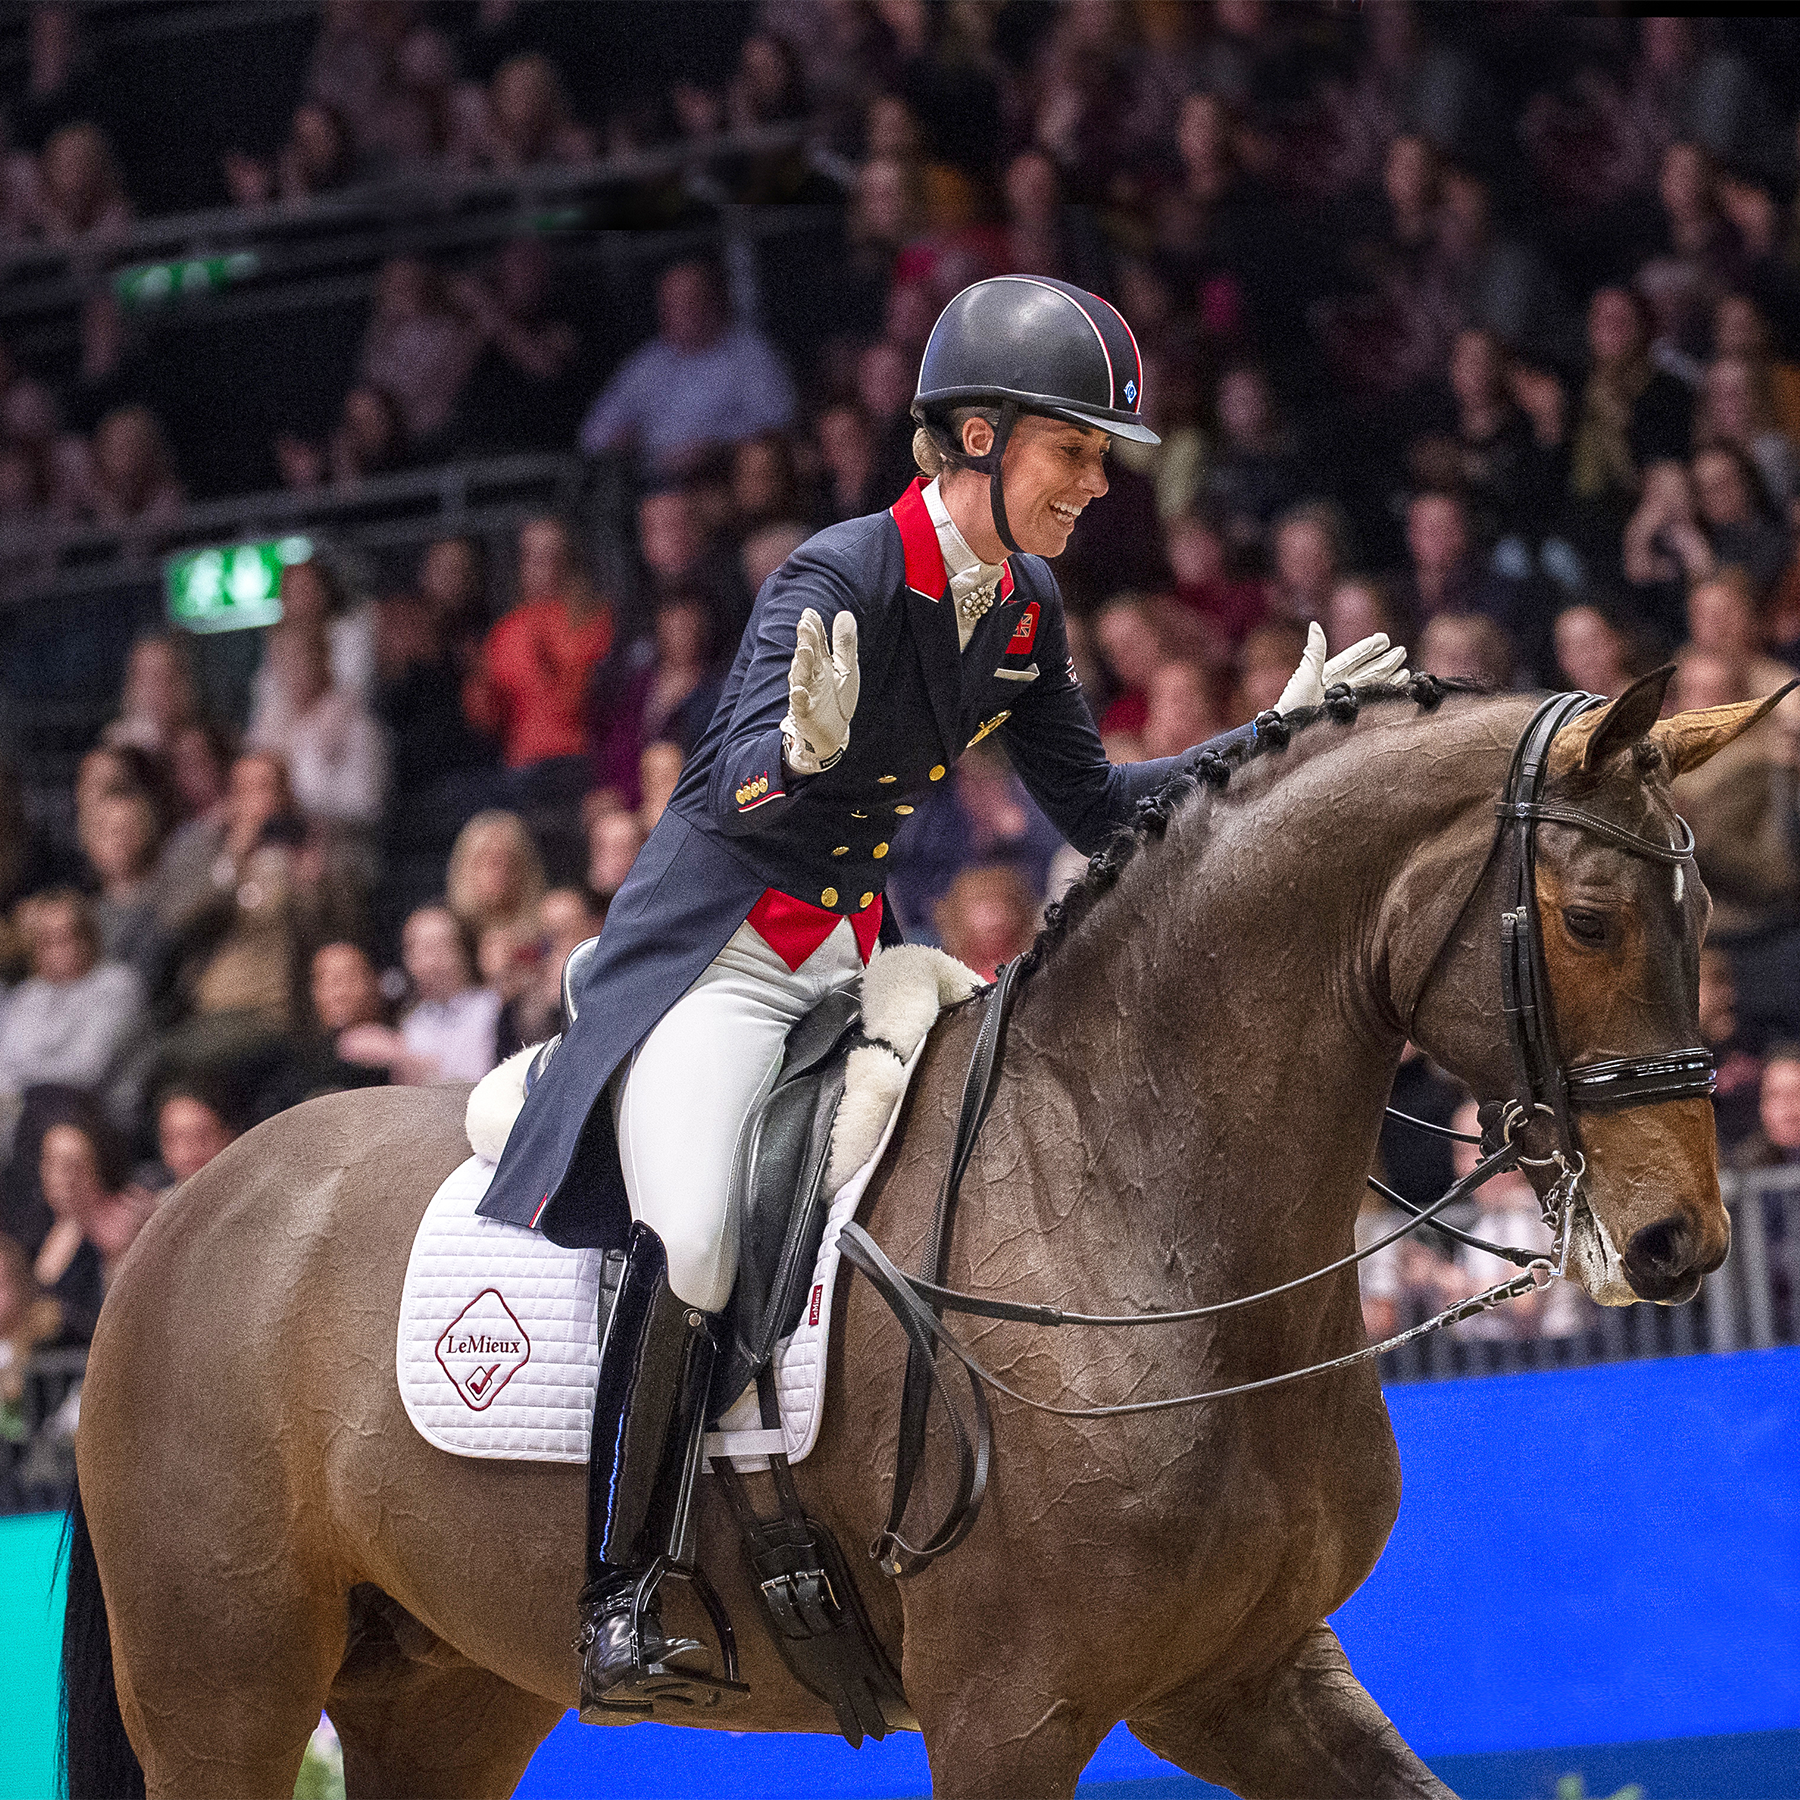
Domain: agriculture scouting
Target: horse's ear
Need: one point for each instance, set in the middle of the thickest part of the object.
(1594, 739)
(1689, 738)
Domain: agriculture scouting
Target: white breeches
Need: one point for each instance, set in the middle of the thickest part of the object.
(682, 1100)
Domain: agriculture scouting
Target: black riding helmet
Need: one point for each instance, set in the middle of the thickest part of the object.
(1032, 345)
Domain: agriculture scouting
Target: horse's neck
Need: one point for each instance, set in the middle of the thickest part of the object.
(1219, 1035)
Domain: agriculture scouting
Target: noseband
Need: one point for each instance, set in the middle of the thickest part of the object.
(1546, 1085)
(1546, 1088)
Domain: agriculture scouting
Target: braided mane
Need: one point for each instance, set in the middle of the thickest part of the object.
(1213, 769)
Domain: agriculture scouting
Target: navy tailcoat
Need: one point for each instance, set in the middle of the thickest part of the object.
(738, 826)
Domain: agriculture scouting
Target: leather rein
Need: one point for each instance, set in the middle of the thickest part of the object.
(1547, 1088)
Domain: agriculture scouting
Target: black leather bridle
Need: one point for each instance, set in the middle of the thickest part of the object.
(1546, 1085)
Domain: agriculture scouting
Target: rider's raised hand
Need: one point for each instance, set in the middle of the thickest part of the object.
(823, 684)
(1371, 663)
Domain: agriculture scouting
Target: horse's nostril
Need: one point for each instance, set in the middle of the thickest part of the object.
(1659, 1257)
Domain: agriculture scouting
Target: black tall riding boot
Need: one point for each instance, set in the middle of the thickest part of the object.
(656, 1358)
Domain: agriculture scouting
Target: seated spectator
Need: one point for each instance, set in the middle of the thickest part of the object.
(1508, 1213)
(1360, 607)
(1775, 1144)
(29, 1320)
(659, 770)
(1268, 658)
(419, 350)
(517, 393)
(200, 772)
(160, 699)
(240, 927)
(449, 1031)
(680, 561)
(1738, 1067)
(1465, 647)
(495, 882)
(664, 686)
(1446, 574)
(1494, 454)
(369, 439)
(847, 463)
(1739, 804)
(53, 463)
(1593, 653)
(702, 381)
(79, 193)
(530, 690)
(74, 1020)
(763, 553)
(525, 123)
(1735, 408)
(988, 917)
(1202, 556)
(1631, 413)
(122, 835)
(334, 751)
(981, 815)
(884, 391)
(347, 1003)
(765, 487)
(1741, 330)
(131, 477)
(1724, 619)
(566, 918)
(86, 1182)
(1180, 711)
(316, 594)
(1256, 471)
(1309, 551)
(316, 159)
(1740, 521)
(193, 1124)
(1132, 649)
(1664, 547)
(614, 839)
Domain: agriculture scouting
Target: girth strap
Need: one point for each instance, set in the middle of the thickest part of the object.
(974, 1449)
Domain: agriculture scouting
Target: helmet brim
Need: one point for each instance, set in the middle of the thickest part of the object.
(1118, 423)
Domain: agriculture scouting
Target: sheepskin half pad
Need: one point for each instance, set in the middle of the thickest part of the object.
(496, 1353)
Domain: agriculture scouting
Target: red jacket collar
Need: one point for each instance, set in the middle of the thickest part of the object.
(925, 572)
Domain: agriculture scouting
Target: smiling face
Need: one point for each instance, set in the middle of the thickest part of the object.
(1052, 471)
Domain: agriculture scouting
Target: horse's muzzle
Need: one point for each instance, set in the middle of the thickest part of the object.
(1664, 1261)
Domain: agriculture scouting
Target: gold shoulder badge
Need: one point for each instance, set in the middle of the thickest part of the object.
(753, 790)
(992, 724)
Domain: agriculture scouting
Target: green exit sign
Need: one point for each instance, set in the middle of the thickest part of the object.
(149, 284)
(232, 588)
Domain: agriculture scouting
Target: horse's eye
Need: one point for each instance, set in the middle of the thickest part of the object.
(1585, 927)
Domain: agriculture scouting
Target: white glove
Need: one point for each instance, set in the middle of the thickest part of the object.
(1368, 664)
(823, 683)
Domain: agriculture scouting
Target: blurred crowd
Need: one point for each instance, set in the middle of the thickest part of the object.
(1480, 326)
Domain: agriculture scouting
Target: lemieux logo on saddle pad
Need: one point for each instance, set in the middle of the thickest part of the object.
(482, 1349)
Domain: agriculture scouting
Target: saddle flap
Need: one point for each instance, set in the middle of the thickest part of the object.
(778, 1190)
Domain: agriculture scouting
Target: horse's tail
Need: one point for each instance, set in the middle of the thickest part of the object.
(96, 1758)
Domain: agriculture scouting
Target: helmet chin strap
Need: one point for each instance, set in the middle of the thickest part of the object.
(988, 464)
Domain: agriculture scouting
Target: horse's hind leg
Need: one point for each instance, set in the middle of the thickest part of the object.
(1311, 1733)
(419, 1722)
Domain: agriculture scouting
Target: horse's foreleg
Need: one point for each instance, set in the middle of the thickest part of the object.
(435, 1731)
(1310, 1733)
(992, 1732)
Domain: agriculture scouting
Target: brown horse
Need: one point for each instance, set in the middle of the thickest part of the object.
(1189, 1099)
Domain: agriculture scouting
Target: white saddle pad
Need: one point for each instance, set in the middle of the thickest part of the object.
(496, 1352)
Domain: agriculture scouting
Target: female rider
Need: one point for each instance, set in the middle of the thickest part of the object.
(880, 651)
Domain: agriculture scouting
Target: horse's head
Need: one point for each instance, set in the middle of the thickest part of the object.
(1621, 933)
